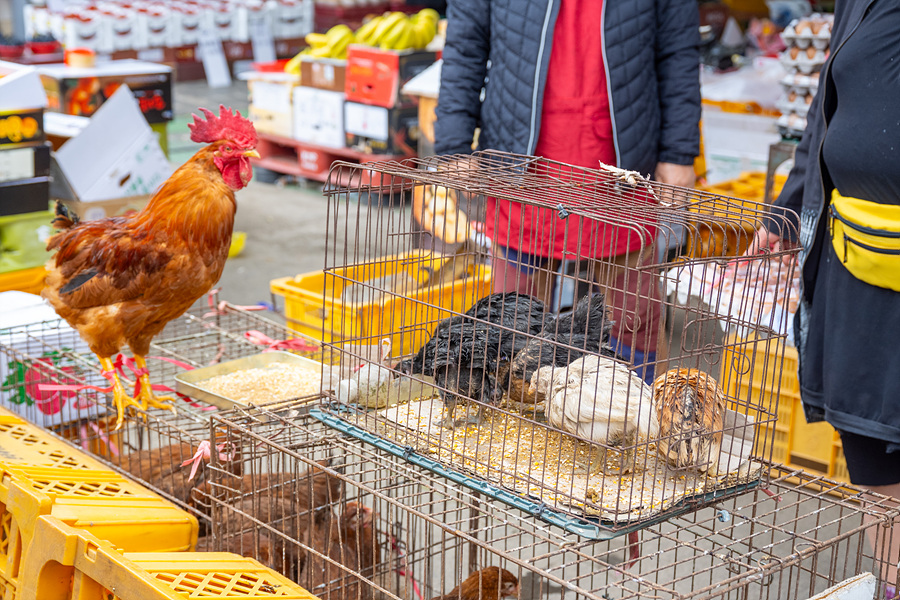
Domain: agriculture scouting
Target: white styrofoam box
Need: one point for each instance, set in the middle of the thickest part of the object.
(187, 21)
(84, 29)
(319, 117)
(291, 18)
(735, 143)
(222, 20)
(123, 26)
(252, 10)
(30, 329)
(367, 121)
(156, 29)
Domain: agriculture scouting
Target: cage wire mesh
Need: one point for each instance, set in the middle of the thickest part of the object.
(547, 394)
(152, 446)
(389, 529)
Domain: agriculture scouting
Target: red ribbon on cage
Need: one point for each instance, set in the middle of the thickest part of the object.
(100, 433)
(219, 308)
(204, 452)
(403, 570)
(120, 364)
(261, 339)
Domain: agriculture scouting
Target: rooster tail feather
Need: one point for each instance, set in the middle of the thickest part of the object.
(63, 219)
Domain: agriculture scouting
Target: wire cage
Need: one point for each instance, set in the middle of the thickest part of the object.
(543, 345)
(159, 448)
(389, 529)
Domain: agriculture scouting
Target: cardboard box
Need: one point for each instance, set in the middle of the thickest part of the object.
(319, 117)
(375, 76)
(379, 130)
(116, 156)
(324, 73)
(22, 102)
(81, 91)
(24, 196)
(25, 162)
(270, 101)
(90, 211)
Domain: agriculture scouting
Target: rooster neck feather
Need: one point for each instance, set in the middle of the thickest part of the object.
(194, 201)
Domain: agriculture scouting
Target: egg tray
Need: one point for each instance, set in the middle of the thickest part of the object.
(577, 511)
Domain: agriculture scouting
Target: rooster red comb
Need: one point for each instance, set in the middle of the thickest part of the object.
(227, 126)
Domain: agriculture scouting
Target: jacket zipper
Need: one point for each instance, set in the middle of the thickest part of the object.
(612, 112)
(537, 77)
(862, 228)
(867, 247)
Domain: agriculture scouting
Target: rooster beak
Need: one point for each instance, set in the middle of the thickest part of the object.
(251, 154)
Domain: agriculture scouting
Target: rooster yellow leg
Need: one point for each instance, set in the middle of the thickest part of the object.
(120, 397)
(146, 396)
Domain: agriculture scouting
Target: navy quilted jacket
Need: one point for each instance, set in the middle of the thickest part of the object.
(652, 64)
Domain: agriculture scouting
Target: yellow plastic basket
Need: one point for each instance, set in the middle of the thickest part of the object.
(751, 371)
(72, 564)
(313, 301)
(24, 444)
(24, 280)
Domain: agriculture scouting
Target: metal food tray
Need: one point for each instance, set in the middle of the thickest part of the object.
(187, 382)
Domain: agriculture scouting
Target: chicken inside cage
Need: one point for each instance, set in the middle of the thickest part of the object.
(587, 369)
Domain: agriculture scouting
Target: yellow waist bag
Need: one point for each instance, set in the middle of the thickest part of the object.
(866, 239)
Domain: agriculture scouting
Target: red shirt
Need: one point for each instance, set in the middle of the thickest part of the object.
(575, 128)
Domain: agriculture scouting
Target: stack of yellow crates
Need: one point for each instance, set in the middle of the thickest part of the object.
(71, 528)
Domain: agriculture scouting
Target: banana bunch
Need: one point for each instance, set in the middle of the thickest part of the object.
(332, 44)
(396, 31)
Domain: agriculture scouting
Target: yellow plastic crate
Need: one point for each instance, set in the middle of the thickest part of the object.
(24, 444)
(24, 280)
(313, 301)
(75, 565)
(100, 501)
(752, 373)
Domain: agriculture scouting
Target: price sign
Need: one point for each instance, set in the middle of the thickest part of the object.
(210, 48)
(261, 39)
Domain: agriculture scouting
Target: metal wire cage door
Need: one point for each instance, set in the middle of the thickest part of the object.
(526, 328)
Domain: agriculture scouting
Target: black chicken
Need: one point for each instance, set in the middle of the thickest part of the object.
(586, 328)
(469, 354)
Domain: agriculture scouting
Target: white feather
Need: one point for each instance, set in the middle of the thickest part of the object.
(601, 400)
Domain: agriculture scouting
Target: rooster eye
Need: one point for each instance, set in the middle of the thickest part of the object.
(228, 148)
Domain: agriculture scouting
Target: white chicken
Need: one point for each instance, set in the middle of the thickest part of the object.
(362, 387)
(598, 399)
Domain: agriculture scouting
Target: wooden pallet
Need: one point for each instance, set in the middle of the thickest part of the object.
(310, 161)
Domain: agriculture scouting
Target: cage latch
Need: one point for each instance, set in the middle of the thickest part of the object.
(563, 213)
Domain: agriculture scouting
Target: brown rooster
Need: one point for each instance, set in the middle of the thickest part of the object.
(119, 280)
(691, 410)
(491, 583)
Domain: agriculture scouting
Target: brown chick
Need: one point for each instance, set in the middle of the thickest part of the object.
(293, 506)
(352, 542)
(691, 410)
(491, 583)
(162, 468)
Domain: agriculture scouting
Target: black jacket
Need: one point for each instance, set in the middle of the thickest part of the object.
(807, 187)
(652, 65)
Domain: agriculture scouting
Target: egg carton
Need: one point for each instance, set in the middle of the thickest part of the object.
(791, 125)
(794, 103)
(805, 61)
(801, 84)
(814, 31)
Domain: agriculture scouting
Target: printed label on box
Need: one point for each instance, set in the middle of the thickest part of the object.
(367, 121)
(16, 163)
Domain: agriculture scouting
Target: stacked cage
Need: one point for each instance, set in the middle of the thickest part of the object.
(597, 387)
